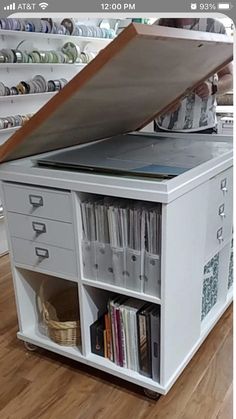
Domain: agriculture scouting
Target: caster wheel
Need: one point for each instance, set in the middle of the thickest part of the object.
(30, 347)
(151, 394)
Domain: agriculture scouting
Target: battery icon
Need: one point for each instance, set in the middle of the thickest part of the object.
(224, 6)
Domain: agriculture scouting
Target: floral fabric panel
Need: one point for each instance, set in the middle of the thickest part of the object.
(210, 285)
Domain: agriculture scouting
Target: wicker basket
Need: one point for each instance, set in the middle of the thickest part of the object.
(60, 313)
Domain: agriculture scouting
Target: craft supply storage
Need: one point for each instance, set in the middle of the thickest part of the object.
(191, 285)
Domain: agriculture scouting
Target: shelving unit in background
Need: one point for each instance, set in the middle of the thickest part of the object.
(12, 73)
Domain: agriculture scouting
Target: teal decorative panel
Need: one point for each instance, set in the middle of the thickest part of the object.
(210, 285)
(231, 266)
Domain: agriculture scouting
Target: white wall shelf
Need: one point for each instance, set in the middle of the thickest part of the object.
(18, 98)
(9, 131)
(37, 65)
(225, 109)
(39, 35)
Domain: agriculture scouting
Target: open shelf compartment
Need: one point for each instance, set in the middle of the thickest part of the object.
(115, 260)
(95, 303)
(35, 289)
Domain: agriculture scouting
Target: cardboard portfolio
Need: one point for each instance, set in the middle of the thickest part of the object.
(137, 77)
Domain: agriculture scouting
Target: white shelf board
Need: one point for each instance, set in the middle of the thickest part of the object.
(36, 96)
(125, 373)
(93, 360)
(44, 342)
(36, 65)
(120, 290)
(44, 271)
(224, 109)
(9, 130)
(40, 35)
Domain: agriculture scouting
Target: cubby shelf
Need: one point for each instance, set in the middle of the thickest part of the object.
(123, 291)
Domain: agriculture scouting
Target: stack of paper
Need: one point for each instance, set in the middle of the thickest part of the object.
(122, 243)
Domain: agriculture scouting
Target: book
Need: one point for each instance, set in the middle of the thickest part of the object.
(113, 329)
(97, 336)
(123, 336)
(144, 341)
(105, 342)
(108, 335)
(155, 342)
(114, 308)
(130, 309)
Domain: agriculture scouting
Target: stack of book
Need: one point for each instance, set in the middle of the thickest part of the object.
(129, 335)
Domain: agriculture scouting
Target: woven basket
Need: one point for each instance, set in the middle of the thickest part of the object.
(61, 315)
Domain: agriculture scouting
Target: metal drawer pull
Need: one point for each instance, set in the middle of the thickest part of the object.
(1, 213)
(42, 253)
(39, 228)
(36, 200)
(222, 211)
(223, 185)
(220, 235)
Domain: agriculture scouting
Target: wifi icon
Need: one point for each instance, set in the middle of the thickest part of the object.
(43, 5)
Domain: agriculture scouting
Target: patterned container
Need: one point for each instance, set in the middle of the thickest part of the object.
(210, 285)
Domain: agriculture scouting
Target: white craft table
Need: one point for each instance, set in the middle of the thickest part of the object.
(136, 78)
(196, 226)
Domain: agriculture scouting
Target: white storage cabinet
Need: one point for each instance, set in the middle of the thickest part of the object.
(45, 236)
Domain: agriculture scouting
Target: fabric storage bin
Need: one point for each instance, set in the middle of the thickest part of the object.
(104, 264)
(119, 266)
(89, 260)
(152, 274)
(133, 272)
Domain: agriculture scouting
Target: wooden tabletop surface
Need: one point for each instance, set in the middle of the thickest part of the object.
(138, 76)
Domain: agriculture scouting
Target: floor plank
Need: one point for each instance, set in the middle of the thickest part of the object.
(43, 385)
(226, 410)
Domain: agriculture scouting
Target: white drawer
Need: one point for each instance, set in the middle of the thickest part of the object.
(38, 202)
(44, 257)
(41, 230)
(220, 210)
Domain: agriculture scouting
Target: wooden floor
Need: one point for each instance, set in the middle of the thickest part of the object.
(42, 385)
